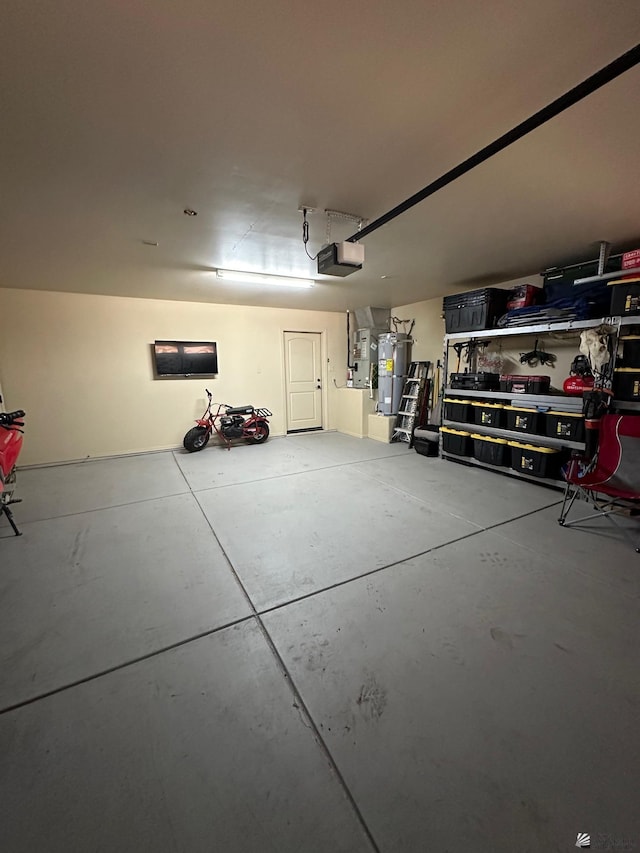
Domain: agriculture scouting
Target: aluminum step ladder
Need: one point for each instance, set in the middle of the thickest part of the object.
(412, 402)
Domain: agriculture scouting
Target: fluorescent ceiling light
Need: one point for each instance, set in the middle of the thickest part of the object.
(263, 278)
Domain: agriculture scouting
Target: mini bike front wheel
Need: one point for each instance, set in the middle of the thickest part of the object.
(196, 439)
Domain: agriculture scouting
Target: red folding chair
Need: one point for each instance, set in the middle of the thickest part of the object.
(611, 481)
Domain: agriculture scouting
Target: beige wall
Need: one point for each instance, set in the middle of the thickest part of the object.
(428, 330)
(80, 365)
(354, 405)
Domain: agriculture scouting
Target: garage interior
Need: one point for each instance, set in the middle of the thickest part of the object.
(329, 642)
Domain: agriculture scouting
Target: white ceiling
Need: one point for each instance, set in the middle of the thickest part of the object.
(116, 116)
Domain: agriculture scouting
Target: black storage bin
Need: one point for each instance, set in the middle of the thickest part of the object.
(457, 410)
(493, 451)
(455, 441)
(475, 381)
(522, 420)
(631, 351)
(625, 297)
(488, 414)
(426, 439)
(516, 383)
(569, 425)
(556, 278)
(475, 310)
(626, 384)
(425, 447)
(536, 461)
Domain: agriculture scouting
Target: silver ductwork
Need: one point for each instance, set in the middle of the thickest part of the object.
(373, 318)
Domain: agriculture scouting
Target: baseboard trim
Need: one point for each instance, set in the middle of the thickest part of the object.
(352, 434)
(170, 448)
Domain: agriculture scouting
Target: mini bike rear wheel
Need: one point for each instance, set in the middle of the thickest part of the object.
(196, 439)
(260, 434)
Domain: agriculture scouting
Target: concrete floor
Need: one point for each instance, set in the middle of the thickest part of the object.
(322, 645)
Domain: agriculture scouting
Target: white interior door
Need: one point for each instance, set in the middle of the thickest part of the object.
(303, 380)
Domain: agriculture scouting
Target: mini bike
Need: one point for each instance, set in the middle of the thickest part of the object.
(10, 446)
(228, 422)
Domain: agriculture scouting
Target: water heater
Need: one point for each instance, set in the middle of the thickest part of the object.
(393, 359)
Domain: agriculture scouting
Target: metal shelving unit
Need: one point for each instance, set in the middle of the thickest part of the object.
(608, 276)
(561, 401)
(512, 435)
(539, 401)
(542, 328)
(626, 405)
(508, 472)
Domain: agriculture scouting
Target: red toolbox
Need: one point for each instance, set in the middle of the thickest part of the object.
(522, 296)
(514, 383)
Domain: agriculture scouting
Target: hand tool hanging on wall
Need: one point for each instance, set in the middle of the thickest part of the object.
(471, 348)
(537, 356)
(458, 348)
(472, 353)
(396, 322)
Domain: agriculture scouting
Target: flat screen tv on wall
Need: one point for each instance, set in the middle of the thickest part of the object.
(185, 358)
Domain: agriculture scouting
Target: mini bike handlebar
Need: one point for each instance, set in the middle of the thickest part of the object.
(9, 419)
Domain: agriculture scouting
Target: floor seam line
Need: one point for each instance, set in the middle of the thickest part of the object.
(297, 696)
(117, 667)
(103, 508)
(424, 501)
(302, 706)
(282, 476)
(375, 571)
(184, 476)
(574, 567)
(401, 491)
(356, 461)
